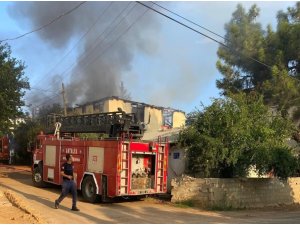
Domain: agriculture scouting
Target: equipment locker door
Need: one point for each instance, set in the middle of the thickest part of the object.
(51, 167)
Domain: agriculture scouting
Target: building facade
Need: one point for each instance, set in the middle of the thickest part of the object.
(159, 122)
(156, 118)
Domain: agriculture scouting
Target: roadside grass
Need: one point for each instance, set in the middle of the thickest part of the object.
(222, 208)
(184, 204)
(190, 203)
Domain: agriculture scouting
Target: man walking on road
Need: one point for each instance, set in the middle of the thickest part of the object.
(68, 183)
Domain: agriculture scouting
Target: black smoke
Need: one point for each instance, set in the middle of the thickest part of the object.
(102, 59)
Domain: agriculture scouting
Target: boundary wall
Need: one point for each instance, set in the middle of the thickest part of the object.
(235, 192)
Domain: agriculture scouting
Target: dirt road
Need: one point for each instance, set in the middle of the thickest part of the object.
(148, 211)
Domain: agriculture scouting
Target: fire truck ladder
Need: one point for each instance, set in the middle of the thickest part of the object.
(124, 185)
(160, 168)
(114, 124)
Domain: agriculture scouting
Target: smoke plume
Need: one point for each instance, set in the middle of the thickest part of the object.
(102, 59)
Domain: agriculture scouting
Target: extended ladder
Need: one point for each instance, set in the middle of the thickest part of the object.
(115, 124)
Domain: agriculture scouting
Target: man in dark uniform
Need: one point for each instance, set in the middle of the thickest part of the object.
(68, 184)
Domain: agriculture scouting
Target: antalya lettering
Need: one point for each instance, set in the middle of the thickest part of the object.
(71, 151)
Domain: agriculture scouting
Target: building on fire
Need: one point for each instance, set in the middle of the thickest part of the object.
(160, 122)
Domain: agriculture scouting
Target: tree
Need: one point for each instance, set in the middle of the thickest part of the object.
(288, 48)
(124, 93)
(12, 88)
(47, 110)
(244, 38)
(234, 133)
(26, 133)
(288, 33)
(277, 76)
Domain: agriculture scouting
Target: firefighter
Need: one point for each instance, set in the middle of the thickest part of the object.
(68, 184)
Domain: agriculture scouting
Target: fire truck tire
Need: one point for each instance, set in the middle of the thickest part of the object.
(104, 197)
(89, 190)
(37, 177)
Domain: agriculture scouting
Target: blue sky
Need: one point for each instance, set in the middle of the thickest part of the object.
(179, 73)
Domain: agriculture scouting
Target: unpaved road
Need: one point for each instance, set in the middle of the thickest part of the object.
(12, 214)
(148, 211)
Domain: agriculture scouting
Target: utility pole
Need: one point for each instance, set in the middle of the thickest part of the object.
(64, 99)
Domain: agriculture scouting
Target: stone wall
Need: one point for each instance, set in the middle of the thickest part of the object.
(235, 193)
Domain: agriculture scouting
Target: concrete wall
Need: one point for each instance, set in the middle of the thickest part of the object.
(156, 119)
(114, 104)
(77, 111)
(89, 109)
(236, 193)
(106, 106)
(176, 165)
(178, 119)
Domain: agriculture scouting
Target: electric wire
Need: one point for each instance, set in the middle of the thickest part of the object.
(117, 39)
(43, 90)
(51, 97)
(232, 50)
(48, 101)
(93, 47)
(99, 36)
(176, 14)
(207, 36)
(88, 51)
(45, 25)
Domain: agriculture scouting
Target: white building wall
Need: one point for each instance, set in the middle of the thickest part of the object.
(177, 164)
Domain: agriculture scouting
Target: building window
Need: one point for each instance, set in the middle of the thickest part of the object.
(98, 107)
(176, 155)
(168, 118)
(139, 111)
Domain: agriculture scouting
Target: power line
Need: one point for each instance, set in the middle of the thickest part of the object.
(47, 24)
(189, 21)
(269, 67)
(118, 38)
(224, 45)
(233, 50)
(49, 98)
(52, 97)
(80, 39)
(92, 48)
(43, 90)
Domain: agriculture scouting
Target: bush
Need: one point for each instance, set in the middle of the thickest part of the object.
(234, 133)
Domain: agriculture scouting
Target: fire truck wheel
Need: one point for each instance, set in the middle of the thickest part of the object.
(37, 177)
(89, 190)
(104, 197)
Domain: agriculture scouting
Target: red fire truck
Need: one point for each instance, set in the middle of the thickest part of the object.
(106, 168)
(4, 149)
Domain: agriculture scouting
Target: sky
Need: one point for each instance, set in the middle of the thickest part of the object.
(159, 61)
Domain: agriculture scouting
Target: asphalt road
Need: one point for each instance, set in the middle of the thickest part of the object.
(145, 211)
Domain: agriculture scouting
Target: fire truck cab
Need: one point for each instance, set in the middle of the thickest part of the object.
(105, 168)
